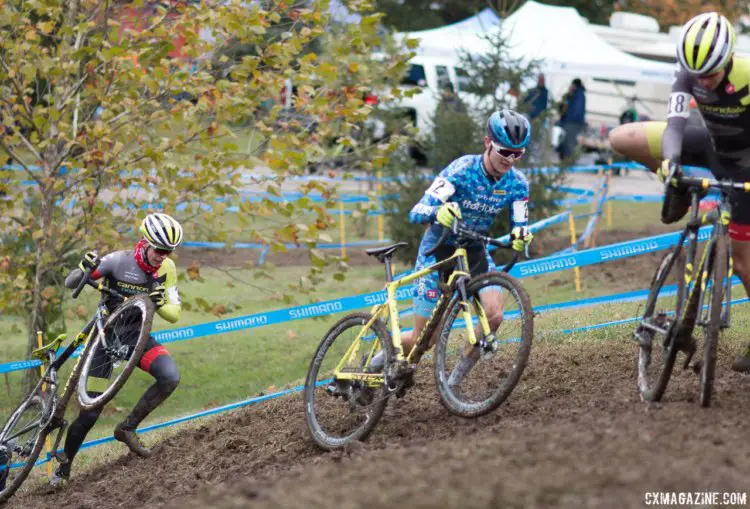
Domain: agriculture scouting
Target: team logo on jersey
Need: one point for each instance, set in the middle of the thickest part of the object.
(499, 192)
(730, 88)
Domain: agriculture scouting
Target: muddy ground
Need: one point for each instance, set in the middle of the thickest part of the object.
(574, 434)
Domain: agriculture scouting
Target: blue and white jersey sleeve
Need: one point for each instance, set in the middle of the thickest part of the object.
(441, 191)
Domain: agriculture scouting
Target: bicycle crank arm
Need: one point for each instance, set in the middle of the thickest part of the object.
(60, 457)
(689, 356)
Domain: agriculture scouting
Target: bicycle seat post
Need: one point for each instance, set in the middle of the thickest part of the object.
(388, 271)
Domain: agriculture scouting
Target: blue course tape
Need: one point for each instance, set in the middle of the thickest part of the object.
(538, 226)
(179, 420)
(572, 190)
(524, 269)
(623, 297)
(602, 254)
(252, 401)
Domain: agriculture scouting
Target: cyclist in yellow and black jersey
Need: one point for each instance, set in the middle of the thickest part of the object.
(717, 138)
(144, 269)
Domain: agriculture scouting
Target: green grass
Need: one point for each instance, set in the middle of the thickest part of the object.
(226, 368)
(237, 229)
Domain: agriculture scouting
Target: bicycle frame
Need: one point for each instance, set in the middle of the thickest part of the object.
(83, 337)
(687, 292)
(389, 310)
(54, 410)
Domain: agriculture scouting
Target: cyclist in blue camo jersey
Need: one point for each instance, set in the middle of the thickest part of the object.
(473, 188)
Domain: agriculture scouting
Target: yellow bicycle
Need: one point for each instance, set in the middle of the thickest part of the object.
(346, 393)
(113, 343)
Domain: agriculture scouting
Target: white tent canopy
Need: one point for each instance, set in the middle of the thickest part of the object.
(449, 40)
(567, 43)
(558, 35)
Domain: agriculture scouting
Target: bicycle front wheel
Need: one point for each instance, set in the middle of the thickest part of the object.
(713, 327)
(345, 396)
(21, 441)
(473, 381)
(114, 353)
(655, 335)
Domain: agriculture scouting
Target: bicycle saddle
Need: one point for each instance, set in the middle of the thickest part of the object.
(381, 253)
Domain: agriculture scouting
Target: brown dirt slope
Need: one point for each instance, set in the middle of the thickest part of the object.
(573, 434)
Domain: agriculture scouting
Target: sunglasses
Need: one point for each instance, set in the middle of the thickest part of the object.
(709, 76)
(162, 252)
(508, 153)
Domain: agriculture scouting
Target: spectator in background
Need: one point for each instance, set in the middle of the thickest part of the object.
(537, 98)
(572, 117)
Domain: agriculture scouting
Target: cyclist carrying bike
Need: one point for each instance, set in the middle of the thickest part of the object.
(473, 188)
(146, 269)
(719, 138)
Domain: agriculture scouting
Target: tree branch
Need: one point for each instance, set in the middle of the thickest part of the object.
(17, 87)
(16, 157)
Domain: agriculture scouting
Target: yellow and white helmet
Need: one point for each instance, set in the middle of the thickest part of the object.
(706, 43)
(161, 231)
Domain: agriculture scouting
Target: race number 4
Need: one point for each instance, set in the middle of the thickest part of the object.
(679, 105)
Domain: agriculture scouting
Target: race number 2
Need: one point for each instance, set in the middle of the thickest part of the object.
(679, 105)
(441, 189)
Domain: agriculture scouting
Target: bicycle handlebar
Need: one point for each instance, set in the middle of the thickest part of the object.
(675, 174)
(86, 280)
(463, 232)
(83, 282)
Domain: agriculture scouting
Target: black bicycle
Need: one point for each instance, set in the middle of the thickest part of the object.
(113, 344)
(685, 294)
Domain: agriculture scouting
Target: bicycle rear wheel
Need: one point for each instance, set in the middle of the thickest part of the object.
(494, 373)
(115, 351)
(21, 441)
(713, 327)
(340, 411)
(658, 349)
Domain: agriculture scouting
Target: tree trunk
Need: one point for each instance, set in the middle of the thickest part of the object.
(37, 321)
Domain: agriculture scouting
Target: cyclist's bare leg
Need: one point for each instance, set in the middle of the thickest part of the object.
(632, 141)
(492, 303)
(409, 338)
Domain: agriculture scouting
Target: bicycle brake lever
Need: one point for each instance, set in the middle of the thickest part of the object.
(526, 252)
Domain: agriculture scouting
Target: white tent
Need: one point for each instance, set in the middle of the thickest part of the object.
(558, 35)
(449, 40)
(569, 48)
(567, 43)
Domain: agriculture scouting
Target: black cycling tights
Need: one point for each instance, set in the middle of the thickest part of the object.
(5, 471)
(167, 377)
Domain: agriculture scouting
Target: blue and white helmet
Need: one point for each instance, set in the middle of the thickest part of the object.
(509, 129)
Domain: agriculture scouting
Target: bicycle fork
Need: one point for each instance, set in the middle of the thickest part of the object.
(486, 343)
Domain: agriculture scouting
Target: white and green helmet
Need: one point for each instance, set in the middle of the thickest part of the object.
(161, 231)
(706, 43)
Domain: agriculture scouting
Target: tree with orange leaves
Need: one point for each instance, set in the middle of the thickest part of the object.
(677, 12)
